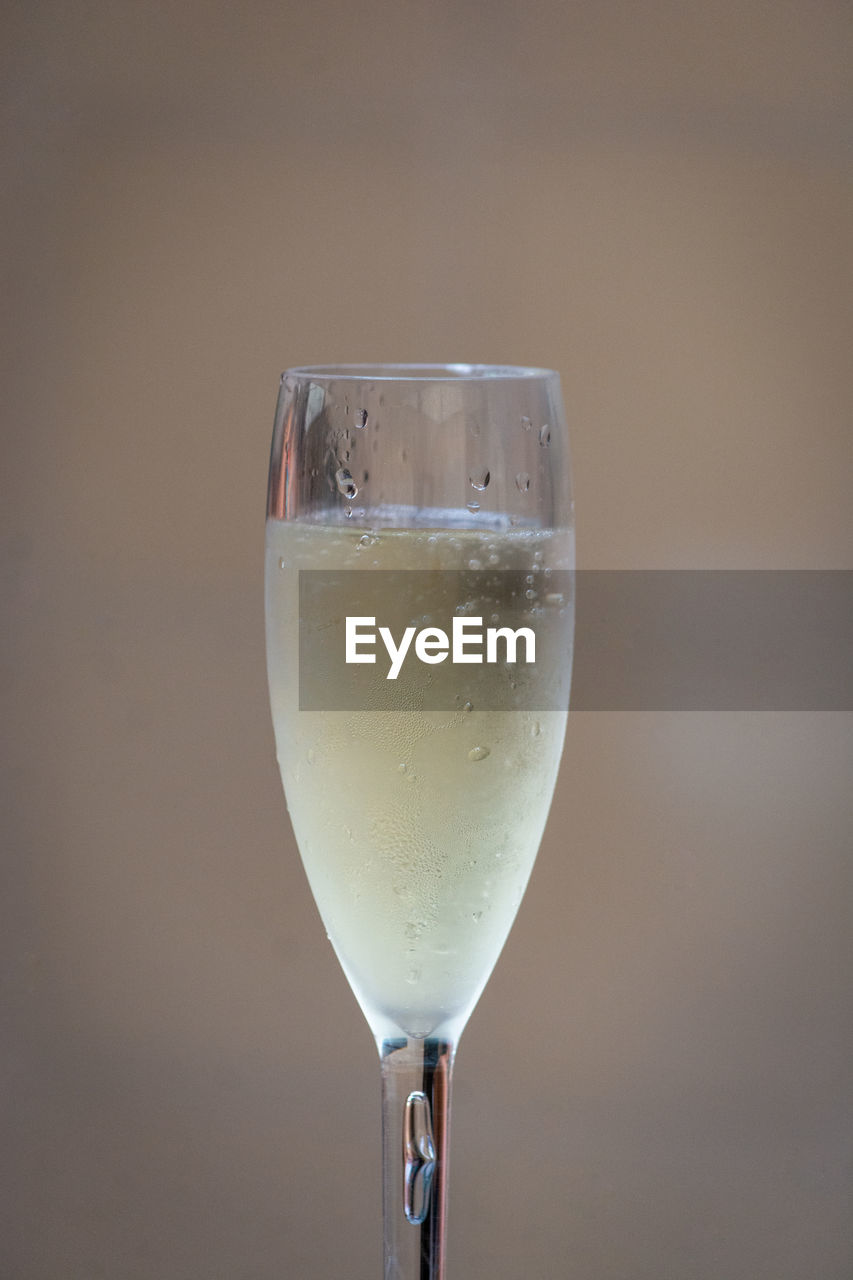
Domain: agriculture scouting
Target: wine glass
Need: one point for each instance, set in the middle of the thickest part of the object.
(433, 499)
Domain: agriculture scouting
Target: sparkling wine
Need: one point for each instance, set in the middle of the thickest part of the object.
(418, 828)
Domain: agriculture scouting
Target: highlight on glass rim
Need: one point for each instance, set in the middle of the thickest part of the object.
(425, 506)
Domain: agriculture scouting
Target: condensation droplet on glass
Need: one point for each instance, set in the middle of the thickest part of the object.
(475, 564)
(530, 594)
(544, 435)
(282, 563)
(528, 578)
(477, 917)
(526, 424)
(522, 482)
(348, 512)
(494, 559)
(468, 706)
(473, 506)
(478, 753)
(346, 485)
(480, 478)
(535, 729)
(413, 976)
(361, 418)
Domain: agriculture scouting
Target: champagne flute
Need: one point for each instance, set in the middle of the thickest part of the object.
(416, 495)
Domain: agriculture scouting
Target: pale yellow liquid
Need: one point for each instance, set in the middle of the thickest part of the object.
(418, 829)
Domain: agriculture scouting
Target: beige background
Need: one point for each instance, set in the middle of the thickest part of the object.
(654, 199)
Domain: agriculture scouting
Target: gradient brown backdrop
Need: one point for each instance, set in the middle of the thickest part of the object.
(654, 199)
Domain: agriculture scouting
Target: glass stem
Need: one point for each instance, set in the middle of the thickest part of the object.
(416, 1077)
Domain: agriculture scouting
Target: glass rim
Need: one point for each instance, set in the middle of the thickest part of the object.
(416, 372)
